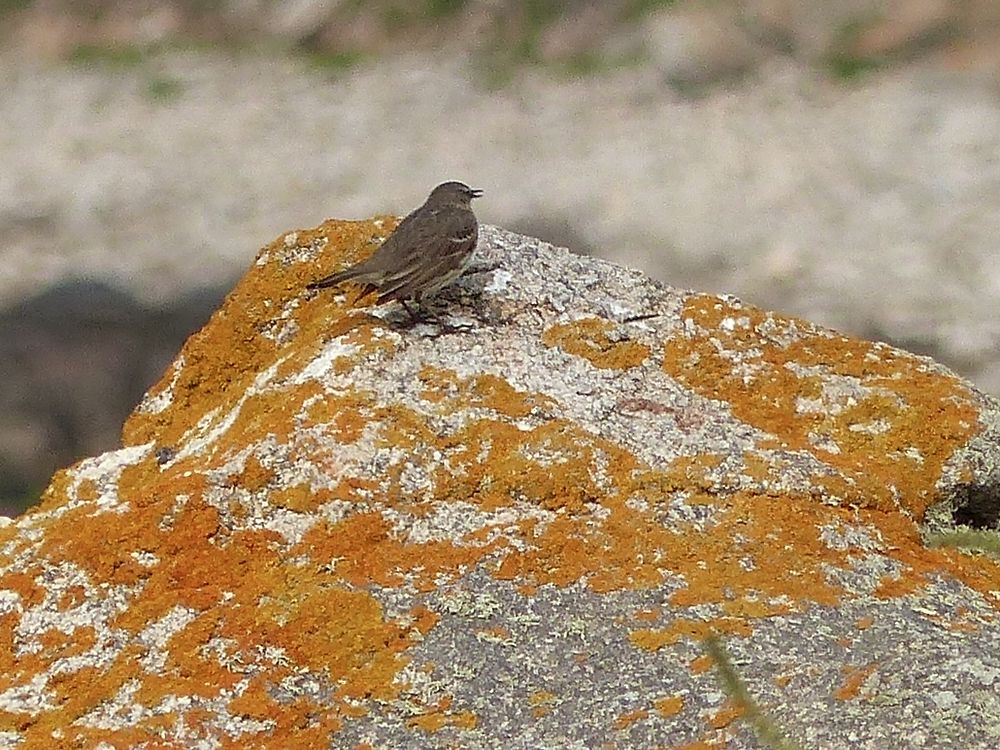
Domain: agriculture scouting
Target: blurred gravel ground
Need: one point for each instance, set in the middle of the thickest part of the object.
(869, 206)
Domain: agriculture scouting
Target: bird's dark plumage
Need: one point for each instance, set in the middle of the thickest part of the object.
(429, 249)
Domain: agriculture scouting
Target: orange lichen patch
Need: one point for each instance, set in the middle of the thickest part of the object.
(299, 498)
(783, 680)
(188, 671)
(694, 630)
(730, 712)
(54, 495)
(222, 359)
(754, 608)
(649, 615)
(363, 549)
(102, 542)
(893, 587)
(632, 549)
(24, 584)
(771, 370)
(343, 633)
(494, 464)
(901, 537)
(863, 623)
(59, 645)
(491, 392)
(72, 597)
(669, 706)
(446, 387)
(628, 719)
(961, 627)
(781, 536)
(439, 383)
(345, 414)
(691, 472)
(270, 413)
(440, 717)
(87, 490)
(495, 634)
(8, 624)
(254, 476)
(424, 619)
(701, 664)
(589, 338)
(70, 738)
(758, 468)
(75, 693)
(542, 702)
(854, 678)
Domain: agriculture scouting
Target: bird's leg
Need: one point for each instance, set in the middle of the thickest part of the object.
(421, 314)
(470, 270)
(414, 318)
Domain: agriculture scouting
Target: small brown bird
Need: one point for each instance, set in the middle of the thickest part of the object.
(430, 248)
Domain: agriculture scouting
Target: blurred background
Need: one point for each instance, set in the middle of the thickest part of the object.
(834, 159)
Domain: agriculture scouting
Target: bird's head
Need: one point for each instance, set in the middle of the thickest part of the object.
(450, 193)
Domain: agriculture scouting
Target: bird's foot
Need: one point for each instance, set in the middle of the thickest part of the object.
(477, 269)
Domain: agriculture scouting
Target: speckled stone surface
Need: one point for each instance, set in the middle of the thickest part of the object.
(330, 526)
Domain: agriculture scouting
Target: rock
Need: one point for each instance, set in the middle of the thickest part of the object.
(906, 27)
(331, 527)
(695, 47)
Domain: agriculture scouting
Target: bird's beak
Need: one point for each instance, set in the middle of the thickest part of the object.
(476, 193)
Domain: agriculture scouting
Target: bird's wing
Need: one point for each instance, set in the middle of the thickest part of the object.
(373, 268)
(437, 247)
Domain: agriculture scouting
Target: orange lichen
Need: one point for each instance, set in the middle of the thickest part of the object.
(300, 498)
(766, 367)
(694, 630)
(363, 549)
(648, 615)
(345, 414)
(181, 540)
(223, 358)
(730, 712)
(854, 678)
(754, 609)
(439, 717)
(542, 702)
(701, 664)
(589, 338)
(628, 719)
(893, 587)
(669, 706)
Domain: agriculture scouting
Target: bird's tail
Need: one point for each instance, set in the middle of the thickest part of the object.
(354, 273)
(333, 279)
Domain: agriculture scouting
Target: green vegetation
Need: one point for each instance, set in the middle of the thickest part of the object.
(763, 726)
(334, 62)
(849, 68)
(443, 8)
(635, 9)
(12, 6)
(113, 55)
(843, 62)
(967, 540)
(163, 88)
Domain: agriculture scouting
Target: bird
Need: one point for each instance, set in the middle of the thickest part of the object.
(430, 248)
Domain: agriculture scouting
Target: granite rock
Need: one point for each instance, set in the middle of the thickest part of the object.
(514, 525)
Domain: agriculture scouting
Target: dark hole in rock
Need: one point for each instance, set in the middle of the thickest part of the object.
(977, 506)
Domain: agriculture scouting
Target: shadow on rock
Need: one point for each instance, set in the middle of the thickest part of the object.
(74, 361)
